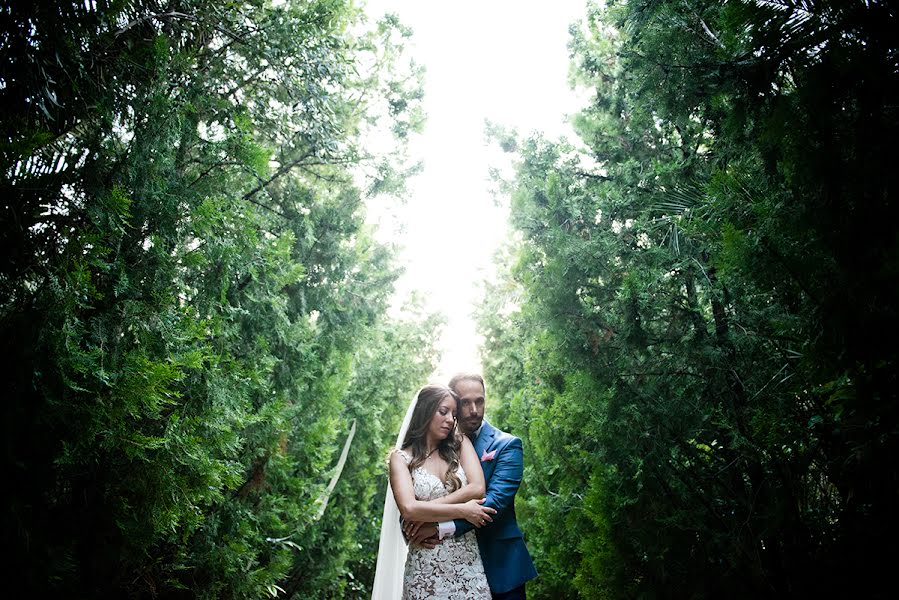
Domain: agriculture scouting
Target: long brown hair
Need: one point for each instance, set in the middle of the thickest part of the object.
(429, 398)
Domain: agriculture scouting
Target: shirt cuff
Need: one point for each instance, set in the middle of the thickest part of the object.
(446, 529)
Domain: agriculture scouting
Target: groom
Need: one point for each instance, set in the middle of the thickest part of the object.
(506, 560)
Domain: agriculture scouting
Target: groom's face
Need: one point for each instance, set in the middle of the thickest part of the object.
(471, 405)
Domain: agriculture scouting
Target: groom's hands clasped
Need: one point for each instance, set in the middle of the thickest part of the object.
(426, 534)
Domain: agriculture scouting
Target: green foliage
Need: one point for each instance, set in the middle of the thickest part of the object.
(689, 336)
(192, 306)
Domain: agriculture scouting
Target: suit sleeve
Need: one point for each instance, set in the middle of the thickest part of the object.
(503, 484)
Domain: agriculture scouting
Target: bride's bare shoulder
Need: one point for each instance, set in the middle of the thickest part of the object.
(405, 454)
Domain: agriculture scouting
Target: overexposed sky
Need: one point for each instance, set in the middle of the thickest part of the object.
(500, 60)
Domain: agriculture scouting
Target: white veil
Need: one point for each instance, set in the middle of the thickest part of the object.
(392, 548)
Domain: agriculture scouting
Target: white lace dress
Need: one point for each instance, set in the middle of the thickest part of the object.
(452, 570)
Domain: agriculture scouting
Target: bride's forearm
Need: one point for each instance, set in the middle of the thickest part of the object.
(421, 510)
(469, 491)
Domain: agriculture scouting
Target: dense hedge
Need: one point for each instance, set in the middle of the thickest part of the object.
(696, 333)
(191, 307)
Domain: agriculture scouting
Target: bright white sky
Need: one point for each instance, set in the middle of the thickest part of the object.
(502, 60)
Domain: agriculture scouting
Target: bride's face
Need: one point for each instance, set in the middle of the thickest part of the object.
(444, 419)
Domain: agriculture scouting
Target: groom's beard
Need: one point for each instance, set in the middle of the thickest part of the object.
(470, 425)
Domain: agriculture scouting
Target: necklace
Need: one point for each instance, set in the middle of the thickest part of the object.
(428, 455)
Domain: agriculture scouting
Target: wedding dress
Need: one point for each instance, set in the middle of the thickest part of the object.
(452, 570)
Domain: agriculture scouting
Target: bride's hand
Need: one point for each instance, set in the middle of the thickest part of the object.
(476, 514)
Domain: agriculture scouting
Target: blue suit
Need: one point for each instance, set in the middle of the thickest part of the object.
(506, 560)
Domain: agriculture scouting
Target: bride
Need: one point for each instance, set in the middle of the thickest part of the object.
(434, 476)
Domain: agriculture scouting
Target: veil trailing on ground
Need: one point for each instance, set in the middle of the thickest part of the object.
(392, 546)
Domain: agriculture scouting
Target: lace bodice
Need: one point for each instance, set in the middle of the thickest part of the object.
(452, 570)
(425, 484)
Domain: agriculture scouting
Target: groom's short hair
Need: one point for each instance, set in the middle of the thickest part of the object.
(466, 377)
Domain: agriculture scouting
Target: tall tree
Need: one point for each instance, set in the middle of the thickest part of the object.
(706, 400)
(189, 288)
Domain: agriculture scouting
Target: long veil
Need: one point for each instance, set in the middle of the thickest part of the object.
(392, 548)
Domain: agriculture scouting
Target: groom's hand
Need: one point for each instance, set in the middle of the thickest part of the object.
(427, 535)
(410, 528)
(422, 534)
(429, 543)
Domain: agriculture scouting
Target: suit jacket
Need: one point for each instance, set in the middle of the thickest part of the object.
(505, 557)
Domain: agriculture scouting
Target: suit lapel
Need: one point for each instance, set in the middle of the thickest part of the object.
(484, 439)
(481, 445)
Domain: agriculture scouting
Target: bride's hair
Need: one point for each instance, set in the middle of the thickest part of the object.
(429, 398)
